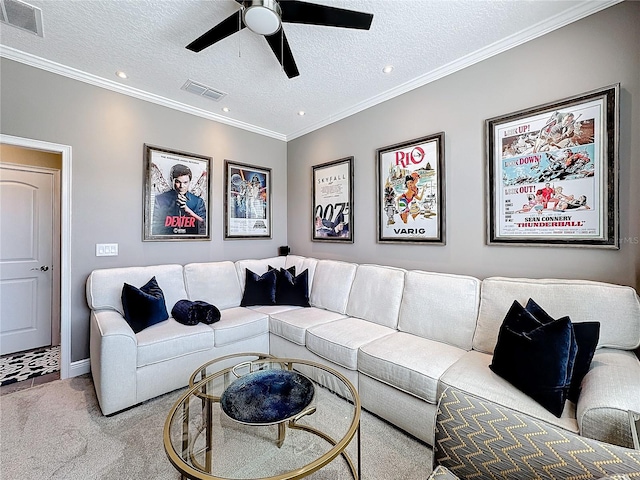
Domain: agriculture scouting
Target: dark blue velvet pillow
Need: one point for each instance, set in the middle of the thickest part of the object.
(587, 335)
(259, 289)
(535, 357)
(190, 312)
(143, 306)
(291, 270)
(292, 289)
(537, 311)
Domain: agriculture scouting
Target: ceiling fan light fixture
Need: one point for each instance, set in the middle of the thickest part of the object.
(262, 16)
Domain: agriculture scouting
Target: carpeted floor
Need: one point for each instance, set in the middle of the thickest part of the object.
(24, 365)
(56, 431)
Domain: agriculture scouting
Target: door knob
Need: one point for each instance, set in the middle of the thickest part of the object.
(43, 268)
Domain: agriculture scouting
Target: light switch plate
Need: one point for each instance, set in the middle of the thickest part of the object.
(106, 249)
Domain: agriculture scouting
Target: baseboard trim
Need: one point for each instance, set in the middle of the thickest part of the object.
(79, 368)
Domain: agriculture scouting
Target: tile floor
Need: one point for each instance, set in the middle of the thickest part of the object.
(28, 383)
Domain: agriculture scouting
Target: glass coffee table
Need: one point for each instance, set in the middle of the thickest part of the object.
(254, 416)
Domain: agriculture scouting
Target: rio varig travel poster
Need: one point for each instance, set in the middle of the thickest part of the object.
(411, 191)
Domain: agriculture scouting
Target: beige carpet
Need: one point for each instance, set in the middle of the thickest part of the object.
(56, 431)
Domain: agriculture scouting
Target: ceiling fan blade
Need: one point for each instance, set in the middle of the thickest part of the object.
(294, 11)
(228, 26)
(280, 46)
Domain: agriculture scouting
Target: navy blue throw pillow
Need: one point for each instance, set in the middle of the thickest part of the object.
(291, 270)
(537, 311)
(292, 289)
(143, 306)
(192, 313)
(586, 334)
(535, 356)
(259, 289)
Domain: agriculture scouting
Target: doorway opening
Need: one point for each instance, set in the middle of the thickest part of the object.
(61, 333)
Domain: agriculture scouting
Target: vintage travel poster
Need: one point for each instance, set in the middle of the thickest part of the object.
(333, 201)
(247, 201)
(176, 195)
(411, 191)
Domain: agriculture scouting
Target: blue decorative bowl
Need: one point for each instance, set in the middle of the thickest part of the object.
(267, 396)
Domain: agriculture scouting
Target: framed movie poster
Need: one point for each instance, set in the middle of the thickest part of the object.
(247, 201)
(411, 191)
(333, 201)
(553, 173)
(176, 195)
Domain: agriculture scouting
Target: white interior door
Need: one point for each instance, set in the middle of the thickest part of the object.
(26, 240)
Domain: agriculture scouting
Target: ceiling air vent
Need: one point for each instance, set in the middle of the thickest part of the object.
(203, 90)
(21, 15)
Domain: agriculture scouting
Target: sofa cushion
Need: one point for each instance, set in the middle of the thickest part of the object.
(376, 294)
(472, 374)
(171, 339)
(432, 302)
(104, 286)
(581, 300)
(273, 309)
(332, 284)
(259, 289)
(408, 362)
(143, 306)
(292, 325)
(536, 357)
(213, 282)
(238, 324)
(340, 340)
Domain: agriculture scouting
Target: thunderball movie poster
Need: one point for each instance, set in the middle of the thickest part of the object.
(548, 177)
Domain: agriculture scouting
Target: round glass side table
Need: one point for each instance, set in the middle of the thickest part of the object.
(254, 416)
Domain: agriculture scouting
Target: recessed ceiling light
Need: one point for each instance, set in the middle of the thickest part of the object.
(301, 113)
(226, 109)
(388, 69)
(121, 74)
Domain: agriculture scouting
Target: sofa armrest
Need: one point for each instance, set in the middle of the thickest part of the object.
(114, 352)
(475, 438)
(609, 391)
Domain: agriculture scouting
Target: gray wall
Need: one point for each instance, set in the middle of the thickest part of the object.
(592, 53)
(107, 131)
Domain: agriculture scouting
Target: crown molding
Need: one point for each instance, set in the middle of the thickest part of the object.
(75, 74)
(580, 11)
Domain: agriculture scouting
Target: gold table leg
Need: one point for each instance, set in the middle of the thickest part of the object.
(282, 431)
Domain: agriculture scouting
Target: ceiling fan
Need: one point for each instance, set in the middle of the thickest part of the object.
(265, 17)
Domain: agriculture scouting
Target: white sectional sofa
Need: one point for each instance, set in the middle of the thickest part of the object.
(401, 337)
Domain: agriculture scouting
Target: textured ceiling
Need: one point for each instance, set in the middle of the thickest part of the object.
(340, 69)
